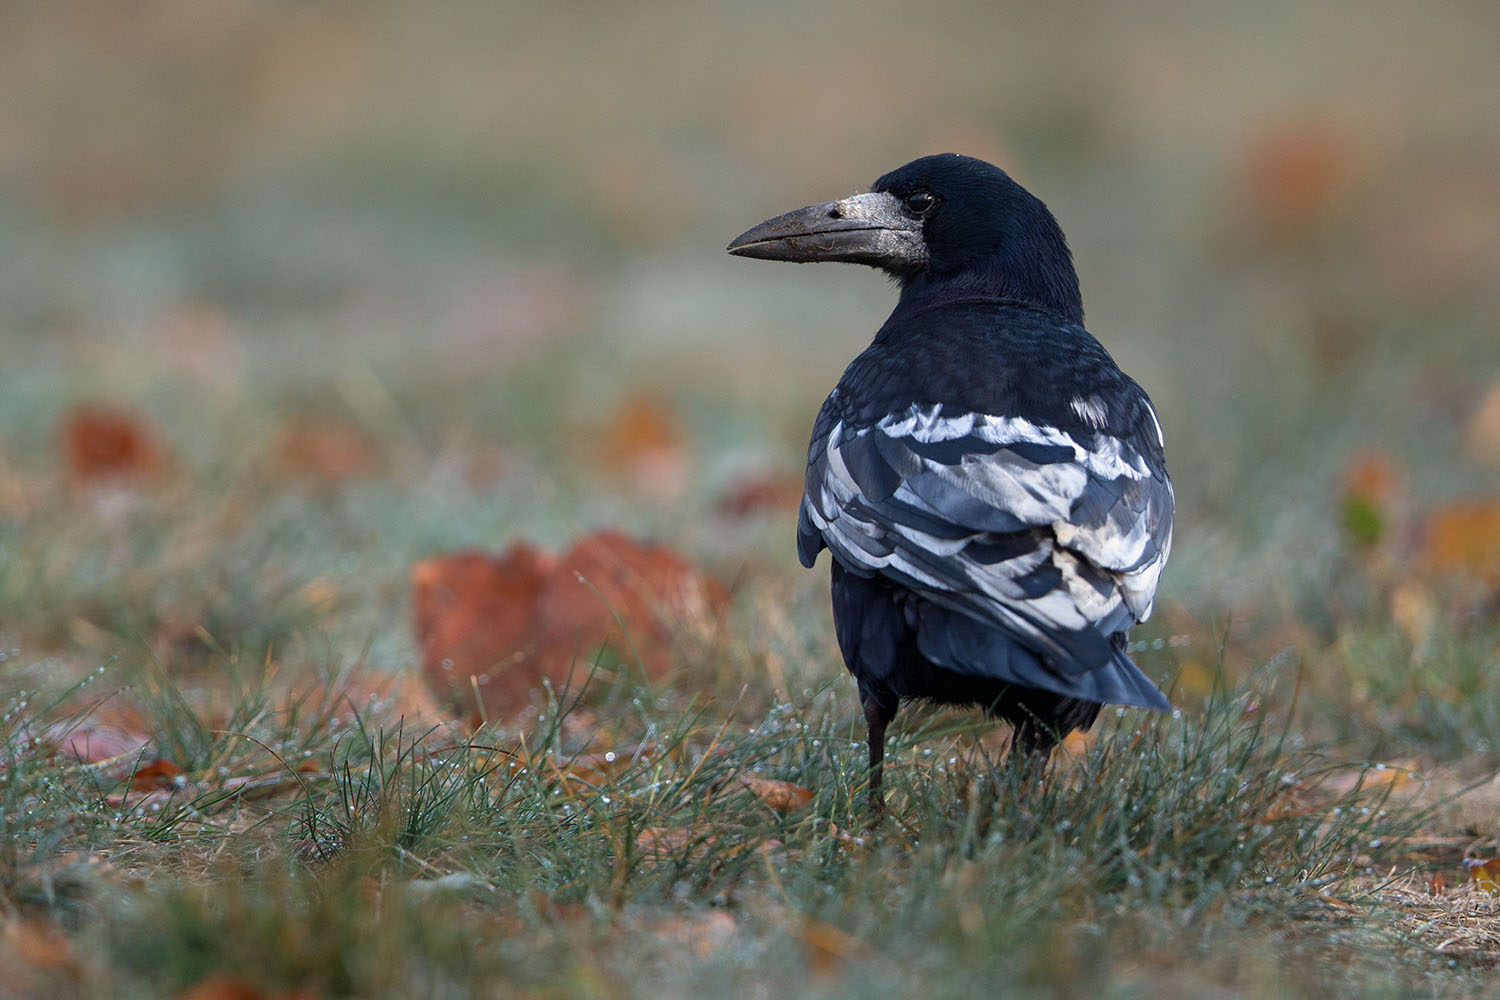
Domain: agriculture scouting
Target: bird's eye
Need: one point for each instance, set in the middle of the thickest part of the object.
(920, 202)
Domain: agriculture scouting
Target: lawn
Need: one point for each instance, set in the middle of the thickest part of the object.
(300, 301)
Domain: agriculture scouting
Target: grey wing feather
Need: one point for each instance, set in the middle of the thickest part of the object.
(1055, 539)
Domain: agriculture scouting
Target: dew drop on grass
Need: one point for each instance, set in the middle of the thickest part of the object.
(609, 756)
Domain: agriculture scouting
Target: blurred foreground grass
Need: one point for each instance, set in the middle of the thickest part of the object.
(470, 239)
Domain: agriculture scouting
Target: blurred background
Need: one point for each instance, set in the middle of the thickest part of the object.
(331, 287)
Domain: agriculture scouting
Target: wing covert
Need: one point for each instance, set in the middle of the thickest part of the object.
(1056, 535)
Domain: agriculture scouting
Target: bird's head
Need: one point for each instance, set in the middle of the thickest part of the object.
(946, 220)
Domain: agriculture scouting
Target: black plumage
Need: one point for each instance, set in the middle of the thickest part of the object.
(991, 486)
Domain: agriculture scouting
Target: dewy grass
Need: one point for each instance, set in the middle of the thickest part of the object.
(384, 854)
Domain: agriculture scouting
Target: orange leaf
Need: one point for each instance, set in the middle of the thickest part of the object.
(761, 494)
(101, 443)
(1463, 539)
(829, 948)
(37, 944)
(1294, 174)
(657, 843)
(158, 773)
(324, 452)
(783, 796)
(705, 934)
(1436, 884)
(644, 442)
(222, 987)
(610, 591)
(1484, 874)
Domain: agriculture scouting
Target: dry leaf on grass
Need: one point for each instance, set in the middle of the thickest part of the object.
(1295, 173)
(493, 628)
(829, 949)
(38, 945)
(223, 987)
(323, 452)
(103, 443)
(761, 494)
(704, 934)
(156, 773)
(643, 443)
(475, 615)
(1463, 539)
(93, 744)
(1484, 873)
(694, 843)
(782, 796)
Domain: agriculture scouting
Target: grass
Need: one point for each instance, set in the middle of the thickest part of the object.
(317, 848)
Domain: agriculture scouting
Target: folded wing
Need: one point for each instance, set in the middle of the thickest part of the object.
(1013, 529)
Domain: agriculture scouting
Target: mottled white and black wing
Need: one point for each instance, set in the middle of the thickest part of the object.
(1055, 537)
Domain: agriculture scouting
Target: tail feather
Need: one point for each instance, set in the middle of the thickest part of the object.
(961, 644)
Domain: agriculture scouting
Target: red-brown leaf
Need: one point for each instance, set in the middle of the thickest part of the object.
(475, 620)
(324, 452)
(493, 628)
(782, 796)
(103, 443)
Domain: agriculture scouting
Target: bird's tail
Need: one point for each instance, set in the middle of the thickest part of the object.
(959, 643)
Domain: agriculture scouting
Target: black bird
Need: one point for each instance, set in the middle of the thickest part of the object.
(991, 486)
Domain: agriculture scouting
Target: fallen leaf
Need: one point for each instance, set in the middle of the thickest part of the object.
(476, 626)
(661, 843)
(829, 949)
(1436, 884)
(1414, 610)
(157, 773)
(612, 592)
(1077, 743)
(758, 494)
(598, 768)
(223, 987)
(106, 444)
(493, 628)
(1485, 874)
(1194, 676)
(643, 442)
(1294, 174)
(323, 452)
(1463, 539)
(380, 697)
(782, 796)
(705, 934)
(39, 945)
(91, 743)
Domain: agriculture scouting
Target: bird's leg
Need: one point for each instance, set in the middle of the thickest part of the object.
(879, 711)
(1031, 748)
